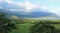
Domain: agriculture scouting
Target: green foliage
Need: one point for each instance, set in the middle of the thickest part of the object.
(5, 24)
(41, 27)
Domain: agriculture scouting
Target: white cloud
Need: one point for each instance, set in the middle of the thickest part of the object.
(55, 10)
(1, 1)
(43, 8)
(26, 5)
(29, 6)
(9, 1)
(13, 10)
(0, 7)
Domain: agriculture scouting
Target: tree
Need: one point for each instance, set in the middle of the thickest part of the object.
(5, 24)
(41, 27)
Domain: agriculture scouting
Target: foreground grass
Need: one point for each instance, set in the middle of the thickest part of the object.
(23, 28)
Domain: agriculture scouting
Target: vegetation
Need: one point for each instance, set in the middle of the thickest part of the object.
(25, 25)
(42, 27)
(5, 24)
(22, 28)
(25, 28)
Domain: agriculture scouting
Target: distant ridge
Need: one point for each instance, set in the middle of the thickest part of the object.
(33, 14)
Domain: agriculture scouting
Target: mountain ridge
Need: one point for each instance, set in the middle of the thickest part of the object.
(28, 15)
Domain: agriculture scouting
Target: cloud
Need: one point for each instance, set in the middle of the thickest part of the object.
(29, 6)
(9, 1)
(26, 5)
(13, 10)
(43, 8)
(55, 10)
(1, 1)
(0, 7)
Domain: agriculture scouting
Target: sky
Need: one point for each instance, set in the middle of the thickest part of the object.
(29, 5)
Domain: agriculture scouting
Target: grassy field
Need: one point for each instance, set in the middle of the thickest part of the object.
(23, 28)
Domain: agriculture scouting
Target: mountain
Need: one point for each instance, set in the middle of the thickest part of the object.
(33, 14)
